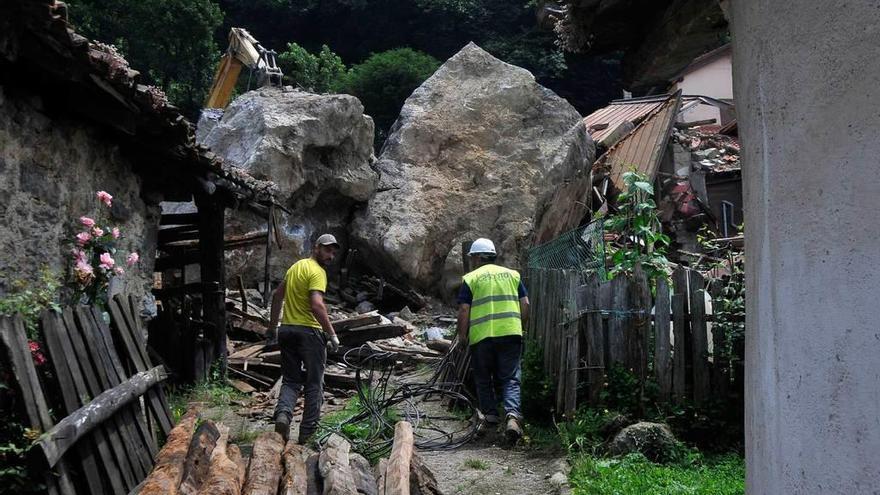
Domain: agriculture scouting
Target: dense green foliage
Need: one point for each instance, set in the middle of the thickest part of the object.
(322, 72)
(384, 80)
(172, 42)
(30, 299)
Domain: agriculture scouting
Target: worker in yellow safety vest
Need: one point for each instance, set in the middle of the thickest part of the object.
(493, 304)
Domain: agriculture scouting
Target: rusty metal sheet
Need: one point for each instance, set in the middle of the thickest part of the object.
(602, 122)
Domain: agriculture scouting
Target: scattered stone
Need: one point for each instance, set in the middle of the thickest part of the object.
(654, 440)
(406, 314)
(365, 307)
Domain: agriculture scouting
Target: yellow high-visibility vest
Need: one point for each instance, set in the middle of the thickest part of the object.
(495, 304)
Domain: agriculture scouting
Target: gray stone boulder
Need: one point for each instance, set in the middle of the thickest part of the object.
(476, 151)
(318, 149)
(654, 440)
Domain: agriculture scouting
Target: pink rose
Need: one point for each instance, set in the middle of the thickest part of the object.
(83, 237)
(107, 261)
(88, 222)
(84, 273)
(105, 197)
(97, 232)
(115, 232)
(119, 270)
(133, 258)
(79, 256)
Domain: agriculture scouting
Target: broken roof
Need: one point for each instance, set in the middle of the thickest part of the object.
(41, 52)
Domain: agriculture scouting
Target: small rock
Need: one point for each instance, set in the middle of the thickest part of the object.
(654, 440)
(406, 314)
(362, 296)
(365, 307)
(558, 480)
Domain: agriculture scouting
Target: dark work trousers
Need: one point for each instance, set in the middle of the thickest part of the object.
(303, 356)
(495, 362)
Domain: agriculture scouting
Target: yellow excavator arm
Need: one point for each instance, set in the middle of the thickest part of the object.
(244, 51)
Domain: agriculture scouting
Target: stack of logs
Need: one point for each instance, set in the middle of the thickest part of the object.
(199, 460)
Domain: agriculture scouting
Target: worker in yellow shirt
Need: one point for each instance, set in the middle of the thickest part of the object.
(305, 336)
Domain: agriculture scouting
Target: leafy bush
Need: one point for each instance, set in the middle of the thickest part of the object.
(319, 73)
(30, 299)
(385, 80)
(537, 389)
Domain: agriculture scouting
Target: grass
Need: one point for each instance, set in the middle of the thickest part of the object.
(633, 474)
(214, 394)
(476, 464)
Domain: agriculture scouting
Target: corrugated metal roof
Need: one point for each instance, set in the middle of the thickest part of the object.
(602, 122)
(642, 148)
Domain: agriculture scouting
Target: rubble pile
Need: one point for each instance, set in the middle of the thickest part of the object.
(711, 151)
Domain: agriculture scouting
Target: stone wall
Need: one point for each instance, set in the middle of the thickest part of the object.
(50, 168)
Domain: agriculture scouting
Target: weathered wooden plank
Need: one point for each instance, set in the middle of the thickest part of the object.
(619, 321)
(296, 477)
(572, 345)
(335, 469)
(224, 477)
(356, 321)
(700, 364)
(197, 460)
(136, 353)
(679, 332)
(641, 303)
(357, 336)
(662, 347)
(265, 470)
(78, 362)
(126, 450)
(397, 472)
(17, 354)
(168, 472)
(595, 339)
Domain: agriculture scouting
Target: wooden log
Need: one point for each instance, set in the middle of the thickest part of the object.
(700, 365)
(224, 477)
(364, 479)
(381, 470)
(397, 473)
(662, 347)
(17, 355)
(422, 480)
(296, 479)
(55, 442)
(169, 469)
(316, 483)
(197, 460)
(335, 469)
(357, 336)
(439, 345)
(235, 456)
(356, 321)
(265, 469)
(679, 332)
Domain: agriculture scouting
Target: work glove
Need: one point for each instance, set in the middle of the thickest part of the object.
(333, 344)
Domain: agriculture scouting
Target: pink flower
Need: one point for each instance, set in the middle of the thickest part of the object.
(79, 256)
(115, 232)
(83, 237)
(88, 222)
(133, 258)
(84, 272)
(97, 232)
(107, 261)
(119, 270)
(105, 197)
(36, 353)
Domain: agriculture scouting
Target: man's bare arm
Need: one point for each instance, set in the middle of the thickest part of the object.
(524, 309)
(464, 316)
(275, 311)
(316, 299)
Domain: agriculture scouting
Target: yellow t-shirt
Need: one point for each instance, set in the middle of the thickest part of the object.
(302, 277)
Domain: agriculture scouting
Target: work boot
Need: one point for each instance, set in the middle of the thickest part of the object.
(282, 425)
(304, 438)
(514, 431)
(486, 423)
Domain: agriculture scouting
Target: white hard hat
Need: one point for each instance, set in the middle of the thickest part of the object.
(482, 246)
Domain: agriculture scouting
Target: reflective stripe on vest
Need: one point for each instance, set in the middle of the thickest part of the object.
(495, 304)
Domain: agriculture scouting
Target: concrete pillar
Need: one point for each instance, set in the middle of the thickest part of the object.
(807, 88)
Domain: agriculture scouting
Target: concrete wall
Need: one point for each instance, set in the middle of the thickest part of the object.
(50, 169)
(713, 79)
(805, 80)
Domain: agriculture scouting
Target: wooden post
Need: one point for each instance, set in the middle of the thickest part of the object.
(641, 305)
(211, 228)
(397, 473)
(595, 339)
(701, 340)
(571, 338)
(679, 331)
(662, 348)
(619, 321)
(267, 291)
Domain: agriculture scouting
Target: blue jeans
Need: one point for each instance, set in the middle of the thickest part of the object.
(303, 356)
(495, 361)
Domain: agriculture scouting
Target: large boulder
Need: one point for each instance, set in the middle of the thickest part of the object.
(654, 440)
(476, 152)
(318, 149)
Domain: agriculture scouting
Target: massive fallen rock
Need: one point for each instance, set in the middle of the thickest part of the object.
(476, 152)
(318, 149)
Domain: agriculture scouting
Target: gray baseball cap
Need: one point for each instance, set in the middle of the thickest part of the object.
(326, 240)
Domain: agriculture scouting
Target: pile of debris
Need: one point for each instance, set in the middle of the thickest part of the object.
(714, 152)
(200, 460)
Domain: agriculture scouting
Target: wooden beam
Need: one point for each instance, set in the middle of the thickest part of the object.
(166, 476)
(212, 264)
(264, 473)
(198, 458)
(296, 478)
(397, 473)
(357, 336)
(356, 322)
(179, 219)
(334, 467)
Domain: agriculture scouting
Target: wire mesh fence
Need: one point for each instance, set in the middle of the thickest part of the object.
(581, 249)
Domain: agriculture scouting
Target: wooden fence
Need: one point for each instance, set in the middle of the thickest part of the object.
(107, 439)
(587, 326)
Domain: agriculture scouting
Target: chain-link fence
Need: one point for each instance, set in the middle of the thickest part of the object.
(581, 249)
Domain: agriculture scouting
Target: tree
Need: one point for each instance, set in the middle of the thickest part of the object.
(170, 41)
(319, 73)
(385, 80)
